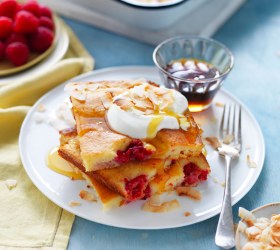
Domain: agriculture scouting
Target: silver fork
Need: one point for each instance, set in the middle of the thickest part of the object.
(230, 137)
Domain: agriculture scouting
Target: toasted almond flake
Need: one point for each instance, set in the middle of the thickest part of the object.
(184, 124)
(41, 108)
(217, 181)
(213, 142)
(78, 95)
(162, 208)
(123, 103)
(75, 204)
(262, 231)
(219, 104)
(106, 100)
(11, 184)
(252, 232)
(250, 163)
(242, 226)
(85, 195)
(155, 200)
(189, 191)
(186, 214)
(247, 216)
(228, 139)
(213, 119)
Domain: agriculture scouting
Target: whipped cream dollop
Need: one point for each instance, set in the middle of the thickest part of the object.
(143, 110)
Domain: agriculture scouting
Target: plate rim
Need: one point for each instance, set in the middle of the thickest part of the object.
(131, 68)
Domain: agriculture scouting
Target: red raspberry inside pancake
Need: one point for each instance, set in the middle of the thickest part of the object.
(136, 188)
(135, 151)
(193, 174)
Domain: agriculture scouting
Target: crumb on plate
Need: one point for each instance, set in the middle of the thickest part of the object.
(75, 204)
(250, 163)
(189, 191)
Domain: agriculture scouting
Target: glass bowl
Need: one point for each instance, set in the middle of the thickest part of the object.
(197, 52)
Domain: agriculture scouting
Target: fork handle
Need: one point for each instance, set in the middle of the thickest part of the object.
(225, 231)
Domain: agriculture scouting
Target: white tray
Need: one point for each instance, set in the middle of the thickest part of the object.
(204, 21)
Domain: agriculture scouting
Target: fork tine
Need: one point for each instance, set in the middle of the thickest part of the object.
(221, 130)
(239, 126)
(234, 128)
(228, 120)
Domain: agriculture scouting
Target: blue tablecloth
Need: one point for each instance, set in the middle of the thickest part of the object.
(253, 35)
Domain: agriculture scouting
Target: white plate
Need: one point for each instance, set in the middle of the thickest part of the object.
(37, 139)
(264, 211)
(62, 43)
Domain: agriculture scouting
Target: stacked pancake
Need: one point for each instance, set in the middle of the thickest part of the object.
(132, 139)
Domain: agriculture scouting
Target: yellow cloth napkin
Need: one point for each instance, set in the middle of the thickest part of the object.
(28, 220)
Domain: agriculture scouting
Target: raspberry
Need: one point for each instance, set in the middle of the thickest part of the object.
(15, 37)
(25, 22)
(41, 40)
(6, 26)
(136, 188)
(135, 152)
(9, 8)
(17, 53)
(193, 174)
(2, 50)
(32, 7)
(46, 22)
(45, 11)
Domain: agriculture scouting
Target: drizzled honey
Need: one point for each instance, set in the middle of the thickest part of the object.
(61, 166)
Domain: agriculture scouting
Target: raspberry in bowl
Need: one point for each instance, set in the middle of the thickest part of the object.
(27, 34)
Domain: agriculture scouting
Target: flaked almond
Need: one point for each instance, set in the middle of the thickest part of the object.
(153, 98)
(160, 91)
(71, 86)
(124, 103)
(213, 119)
(217, 181)
(228, 139)
(155, 200)
(186, 214)
(41, 108)
(213, 142)
(143, 104)
(11, 184)
(189, 191)
(162, 208)
(184, 123)
(75, 204)
(93, 86)
(250, 163)
(85, 195)
(78, 95)
(106, 99)
(219, 104)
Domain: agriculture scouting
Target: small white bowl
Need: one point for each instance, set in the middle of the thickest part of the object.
(147, 16)
(264, 211)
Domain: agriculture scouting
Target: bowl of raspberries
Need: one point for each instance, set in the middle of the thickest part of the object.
(27, 34)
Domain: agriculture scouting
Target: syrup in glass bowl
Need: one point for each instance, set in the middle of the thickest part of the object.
(199, 95)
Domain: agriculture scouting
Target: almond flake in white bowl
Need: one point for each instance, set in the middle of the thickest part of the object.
(259, 229)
